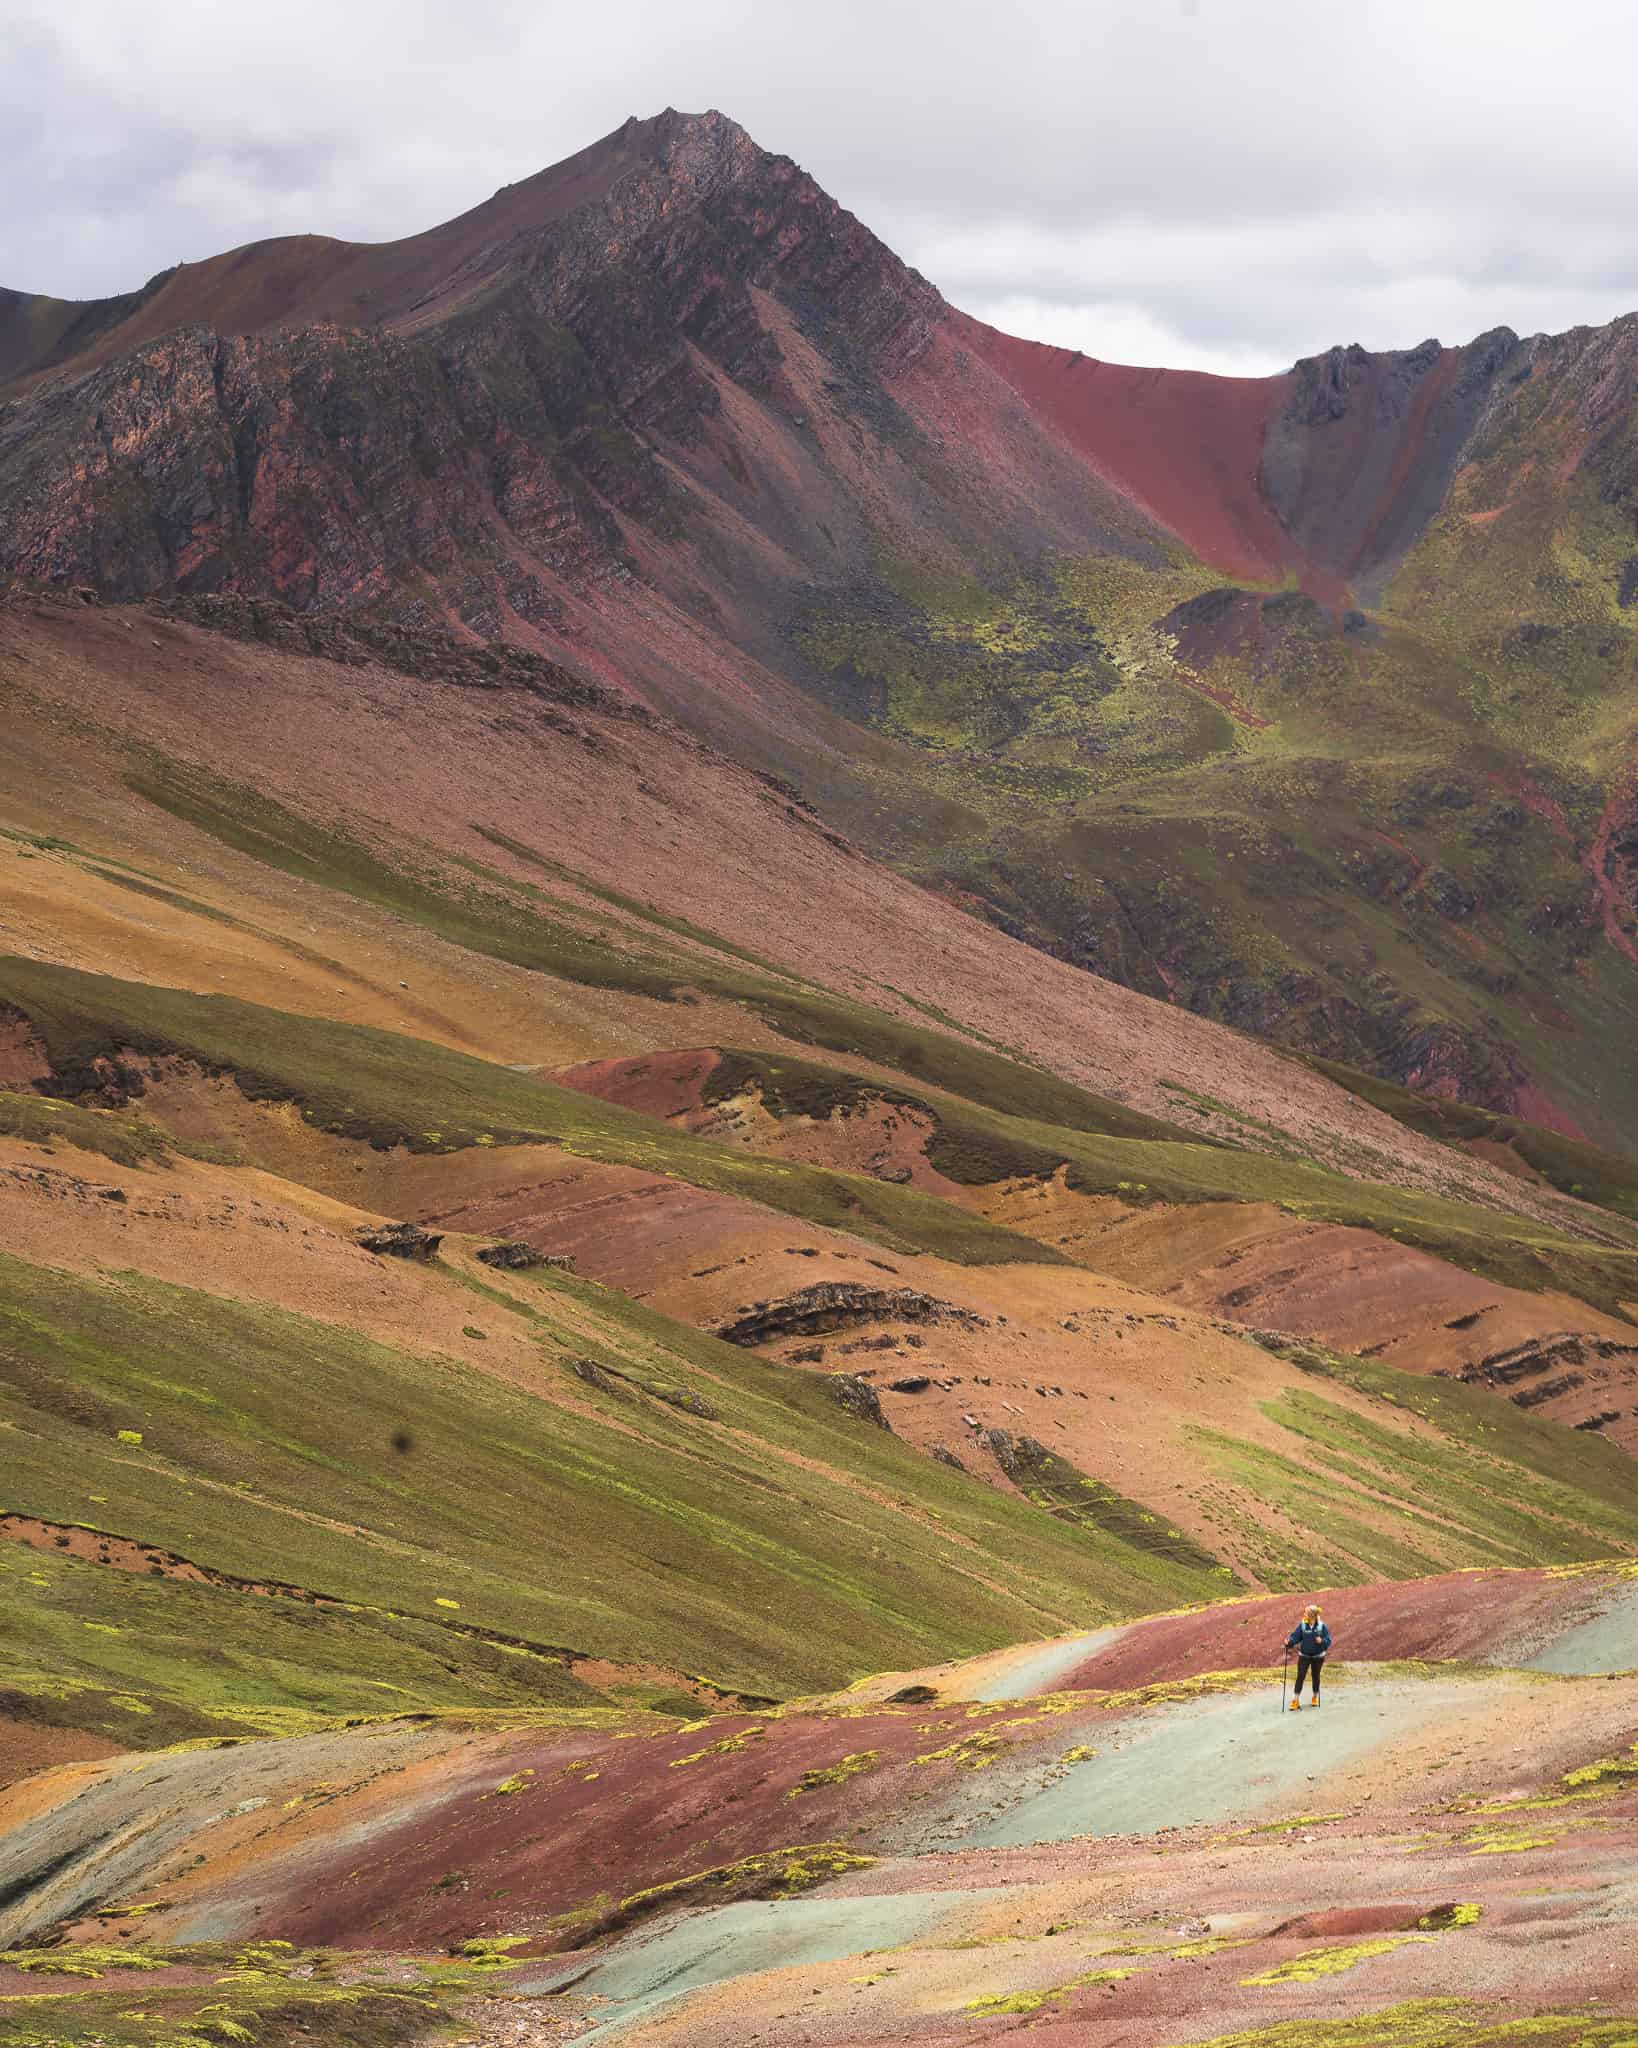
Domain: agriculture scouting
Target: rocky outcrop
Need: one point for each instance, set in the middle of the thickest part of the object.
(857, 1396)
(422, 651)
(1537, 1355)
(399, 1241)
(512, 1256)
(360, 447)
(1360, 456)
(839, 1305)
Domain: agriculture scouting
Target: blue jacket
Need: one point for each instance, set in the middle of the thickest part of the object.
(1309, 1642)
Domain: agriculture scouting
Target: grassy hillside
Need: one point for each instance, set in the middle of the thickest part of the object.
(979, 1147)
(1475, 1482)
(358, 1082)
(501, 918)
(462, 1534)
(1586, 1171)
(391, 1090)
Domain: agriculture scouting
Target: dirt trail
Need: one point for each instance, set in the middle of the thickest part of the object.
(1231, 1757)
(1163, 1866)
(1385, 1740)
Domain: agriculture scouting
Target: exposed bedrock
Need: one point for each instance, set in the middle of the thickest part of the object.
(1360, 456)
(840, 1305)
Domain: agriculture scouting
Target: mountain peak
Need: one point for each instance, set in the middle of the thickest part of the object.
(303, 280)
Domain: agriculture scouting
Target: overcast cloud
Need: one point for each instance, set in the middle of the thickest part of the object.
(1223, 184)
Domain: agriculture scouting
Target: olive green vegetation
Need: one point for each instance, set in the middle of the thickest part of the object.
(468, 1531)
(357, 1082)
(645, 913)
(1359, 1499)
(970, 1149)
(483, 922)
(774, 1874)
(1568, 1164)
(491, 922)
(1053, 1483)
(1376, 855)
(1332, 1962)
(264, 1992)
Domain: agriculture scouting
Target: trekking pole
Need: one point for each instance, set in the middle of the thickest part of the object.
(1285, 1669)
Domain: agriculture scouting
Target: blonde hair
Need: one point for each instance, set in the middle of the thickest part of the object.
(1311, 1609)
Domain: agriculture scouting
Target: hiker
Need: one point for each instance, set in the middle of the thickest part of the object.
(1310, 1639)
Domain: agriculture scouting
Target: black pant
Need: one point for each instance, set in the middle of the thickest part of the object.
(1304, 1666)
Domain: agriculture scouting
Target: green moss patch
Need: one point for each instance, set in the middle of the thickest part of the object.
(46, 1121)
(264, 1993)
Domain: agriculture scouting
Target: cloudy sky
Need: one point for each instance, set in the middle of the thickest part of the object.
(1224, 184)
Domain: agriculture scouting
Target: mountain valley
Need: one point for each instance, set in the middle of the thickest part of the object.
(762, 1059)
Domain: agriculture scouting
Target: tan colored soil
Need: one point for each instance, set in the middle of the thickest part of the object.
(1350, 1289)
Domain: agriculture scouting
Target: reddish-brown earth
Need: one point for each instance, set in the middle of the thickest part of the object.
(1184, 447)
(644, 419)
(1356, 1291)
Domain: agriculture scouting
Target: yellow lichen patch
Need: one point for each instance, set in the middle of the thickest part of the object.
(1535, 1803)
(1063, 1703)
(491, 1951)
(1417, 2023)
(777, 1874)
(518, 1782)
(1505, 1844)
(726, 1747)
(1443, 1917)
(1331, 1962)
(1080, 1754)
(1606, 1771)
(1432, 2023)
(1032, 2001)
(837, 1773)
(971, 1753)
(1601, 1779)
(1170, 1689)
(1184, 1951)
(85, 1960)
